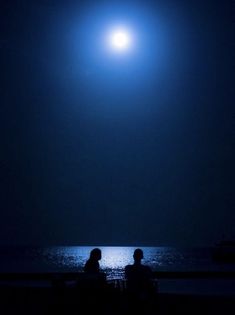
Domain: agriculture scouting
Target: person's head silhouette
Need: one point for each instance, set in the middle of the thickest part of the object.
(95, 254)
(92, 264)
(138, 255)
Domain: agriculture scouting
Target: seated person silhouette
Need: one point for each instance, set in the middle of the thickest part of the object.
(94, 277)
(93, 286)
(139, 281)
(92, 264)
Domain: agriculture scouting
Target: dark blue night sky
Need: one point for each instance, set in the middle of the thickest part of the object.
(98, 148)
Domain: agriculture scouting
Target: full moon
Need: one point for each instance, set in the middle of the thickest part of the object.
(119, 40)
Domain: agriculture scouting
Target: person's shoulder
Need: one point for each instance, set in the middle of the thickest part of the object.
(147, 270)
(88, 262)
(128, 267)
(147, 267)
(128, 270)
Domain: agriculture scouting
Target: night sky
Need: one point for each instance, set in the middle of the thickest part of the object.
(104, 149)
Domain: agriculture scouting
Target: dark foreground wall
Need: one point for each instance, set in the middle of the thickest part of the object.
(21, 300)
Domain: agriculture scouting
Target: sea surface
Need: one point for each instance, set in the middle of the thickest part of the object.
(114, 259)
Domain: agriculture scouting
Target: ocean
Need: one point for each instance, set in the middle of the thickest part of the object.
(114, 259)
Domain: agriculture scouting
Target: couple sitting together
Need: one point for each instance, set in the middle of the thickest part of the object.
(138, 277)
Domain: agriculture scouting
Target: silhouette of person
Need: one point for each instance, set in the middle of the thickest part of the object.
(92, 264)
(139, 283)
(94, 286)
